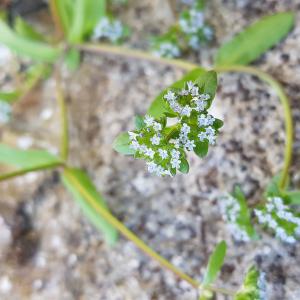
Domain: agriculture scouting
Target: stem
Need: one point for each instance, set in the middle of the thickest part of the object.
(288, 119)
(56, 19)
(64, 144)
(129, 53)
(28, 170)
(107, 216)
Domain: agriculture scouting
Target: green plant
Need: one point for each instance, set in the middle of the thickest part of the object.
(186, 101)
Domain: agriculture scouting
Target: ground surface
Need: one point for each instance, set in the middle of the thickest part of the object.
(48, 250)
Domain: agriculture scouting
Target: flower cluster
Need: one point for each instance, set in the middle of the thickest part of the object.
(230, 210)
(164, 148)
(166, 49)
(110, 29)
(5, 112)
(278, 217)
(151, 144)
(192, 23)
(190, 106)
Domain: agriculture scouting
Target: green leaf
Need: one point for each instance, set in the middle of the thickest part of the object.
(86, 15)
(79, 184)
(35, 50)
(273, 189)
(65, 11)
(293, 197)
(184, 166)
(25, 30)
(244, 217)
(158, 107)
(249, 289)
(9, 97)
(121, 144)
(215, 263)
(26, 158)
(72, 59)
(256, 39)
(201, 148)
(139, 122)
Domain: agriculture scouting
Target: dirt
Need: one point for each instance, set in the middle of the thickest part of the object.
(49, 250)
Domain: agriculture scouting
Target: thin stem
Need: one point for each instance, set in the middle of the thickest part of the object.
(56, 19)
(29, 170)
(64, 144)
(288, 119)
(105, 214)
(130, 53)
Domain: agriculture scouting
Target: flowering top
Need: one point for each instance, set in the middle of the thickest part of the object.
(278, 217)
(164, 148)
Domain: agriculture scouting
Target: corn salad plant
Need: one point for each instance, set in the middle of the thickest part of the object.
(178, 121)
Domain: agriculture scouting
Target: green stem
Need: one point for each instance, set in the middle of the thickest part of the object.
(130, 53)
(107, 216)
(288, 119)
(29, 170)
(64, 145)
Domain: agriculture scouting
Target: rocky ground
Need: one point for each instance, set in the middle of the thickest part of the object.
(48, 249)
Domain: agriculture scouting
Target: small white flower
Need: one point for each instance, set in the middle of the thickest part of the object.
(135, 145)
(167, 49)
(186, 111)
(175, 154)
(152, 166)
(200, 104)
(148, 120)
(195, 91)
(175, 162)
(184, 92)
(163, 153)
(190, 145)
(176, 143)
(204, 97)
(185, 129)
(149, 152)
(170, 96)
(202, 136)
(157, 126)
(210, 131)
(155, 140)
(211, 139)
(110, 29)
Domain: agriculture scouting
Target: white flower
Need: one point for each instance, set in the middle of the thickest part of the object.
(152, 166)
(190, 145)
(170, 96)
(185, 129)
(195, 91)
(135, 145)
(149, 152)
(157, 126)
(163, 153)
(204, 120)
(202, 136)
(211, 139)
(175, 162)
(186, 111)
(210, 131)
(155, 140)
(201, 104)
(175, 154)
(208, 32)
(184, 92)
(148, 120)
(204, 97)
(194, 42)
